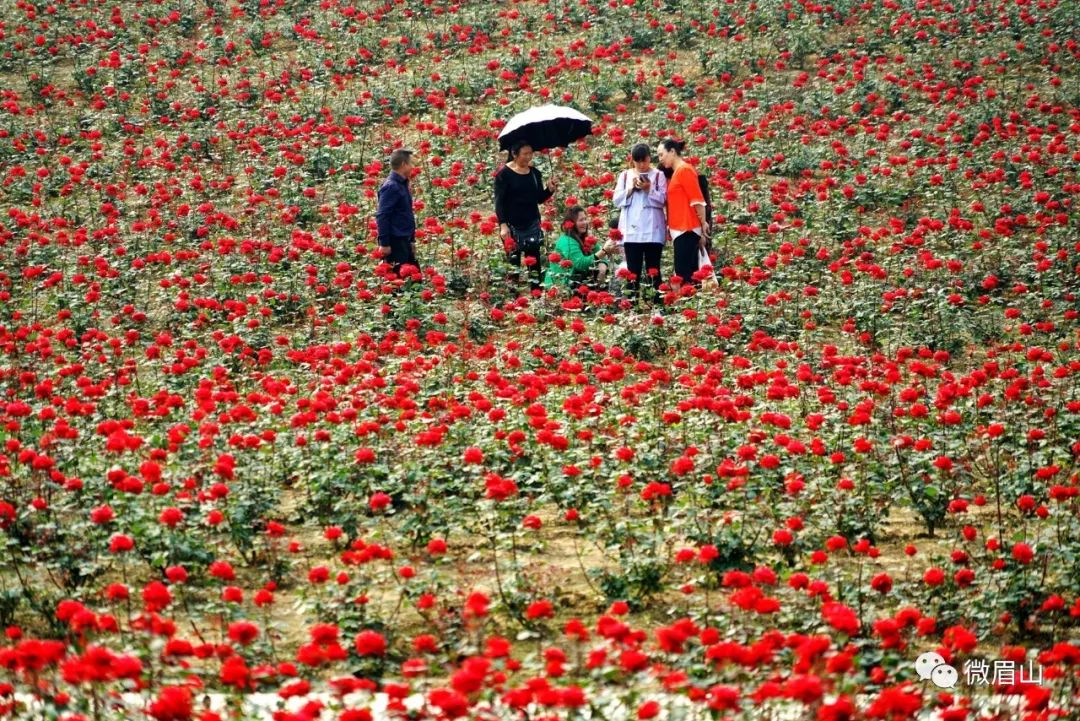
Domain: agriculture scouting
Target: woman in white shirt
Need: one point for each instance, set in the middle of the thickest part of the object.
(640, 195)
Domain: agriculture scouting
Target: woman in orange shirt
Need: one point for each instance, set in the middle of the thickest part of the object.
(685, 209)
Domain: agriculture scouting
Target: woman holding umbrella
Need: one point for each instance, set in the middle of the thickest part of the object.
(519, 187)
(519, 190)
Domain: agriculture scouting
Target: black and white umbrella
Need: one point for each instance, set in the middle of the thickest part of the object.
(545, 126)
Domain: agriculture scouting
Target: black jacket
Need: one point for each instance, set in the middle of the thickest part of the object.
(518, 196)
(395, 216)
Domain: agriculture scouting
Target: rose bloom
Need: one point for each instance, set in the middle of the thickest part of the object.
(379, 501)
(934, 576)
(120, 543)
(881, 583)
(243, 632)
(540, 609)
(1022, 553)
(370, 643)
(176, 574)
(436, 546)
(101, 515)
(171, 516)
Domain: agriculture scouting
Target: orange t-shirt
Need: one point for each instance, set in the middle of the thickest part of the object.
(683, 191)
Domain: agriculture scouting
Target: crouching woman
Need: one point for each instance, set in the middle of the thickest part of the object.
(574, 266)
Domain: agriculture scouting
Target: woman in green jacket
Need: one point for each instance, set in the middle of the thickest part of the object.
(574, 266)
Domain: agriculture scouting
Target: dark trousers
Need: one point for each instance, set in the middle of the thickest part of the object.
(686, 256)
(517, 255)
(647, 255)
(401, 252)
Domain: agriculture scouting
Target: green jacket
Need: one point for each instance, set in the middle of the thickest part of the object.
(570, 249)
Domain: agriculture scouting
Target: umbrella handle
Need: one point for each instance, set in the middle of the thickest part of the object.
(557, 167)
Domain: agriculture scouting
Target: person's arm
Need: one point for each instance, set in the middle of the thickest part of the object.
(658, 192)
(699, 208)
(545, 192)
(407, 200)
(500, 203)
(579, 260)
(621, 198)
(693, 189)
(383, 213)
(500, 197)
(697, 202)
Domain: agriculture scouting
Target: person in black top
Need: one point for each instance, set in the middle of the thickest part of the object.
(395, 217)
(519, 190)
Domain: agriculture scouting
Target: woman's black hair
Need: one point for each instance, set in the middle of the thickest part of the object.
(677, 145)
(640, 152)
(516, 148)
(571, 217)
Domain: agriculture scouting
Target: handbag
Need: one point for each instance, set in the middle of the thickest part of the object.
(528, 240)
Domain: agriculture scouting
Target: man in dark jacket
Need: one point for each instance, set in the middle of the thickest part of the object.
(395, 217)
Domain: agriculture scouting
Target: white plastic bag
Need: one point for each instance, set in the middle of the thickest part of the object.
(710, 281)
(616, 281)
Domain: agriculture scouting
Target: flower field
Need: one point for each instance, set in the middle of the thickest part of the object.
(240, 456)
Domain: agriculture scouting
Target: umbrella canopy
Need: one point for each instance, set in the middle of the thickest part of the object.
(545, 126)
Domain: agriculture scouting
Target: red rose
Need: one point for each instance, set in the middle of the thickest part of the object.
(540, 609)
(174, 703)
(1022, 553)
(379, 501)
(648, 710)
(243, 632)
(101, 515)
(881, 583)
(222, 570)
(370, 643)
(156, 596)
(436, 546)
(171, 516)
(120, 543)
(934, 576)
(176, 574)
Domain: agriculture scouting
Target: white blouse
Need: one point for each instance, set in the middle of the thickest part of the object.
(641, 216)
